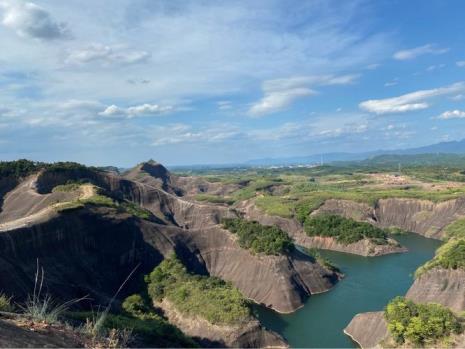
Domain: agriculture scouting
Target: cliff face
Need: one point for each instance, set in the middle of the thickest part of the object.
(295, 230)
(368, 330)
(443, 286)
(282, 283)
(249, 334)
(419, 216)
(82, 252)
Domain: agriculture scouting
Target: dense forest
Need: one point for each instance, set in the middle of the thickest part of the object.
(344, 230)
(259, 238)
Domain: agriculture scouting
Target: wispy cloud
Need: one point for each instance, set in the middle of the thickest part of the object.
(280, 93)
(415, 52)
(460, 64)
(30, 20)
(135, 111)
(452, 114)
(107, 55)
(409, 102)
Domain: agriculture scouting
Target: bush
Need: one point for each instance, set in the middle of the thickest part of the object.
(208, 297)
(5, 303)
(419, 324)
(344, 230)
(135, 305)
(214, 199)
(451, 255)
(259, 238)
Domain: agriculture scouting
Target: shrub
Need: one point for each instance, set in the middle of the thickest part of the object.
(344, 230)
(259, 238)
(208, 297)
(135, 305)
(419, 324)
(5, 303)
(451, 255)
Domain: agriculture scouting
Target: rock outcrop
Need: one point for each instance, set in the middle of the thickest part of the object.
(295, 230)
(443, 286)
(368, 330)
(249, 334)
(12, 335)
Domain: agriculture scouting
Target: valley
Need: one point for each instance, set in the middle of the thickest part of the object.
(236, 258)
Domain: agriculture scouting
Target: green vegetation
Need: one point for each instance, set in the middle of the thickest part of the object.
(214, 199)
(315, 253)
(19, 168)
(451, 255)
(275, 205)
(420, 324)
(208, 297)
(259, 238)
(5, 303)
(154, 331)
(344, 230)
(135, 210)
(456, 229)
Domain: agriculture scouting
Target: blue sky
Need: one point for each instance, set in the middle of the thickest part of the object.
(188, 81)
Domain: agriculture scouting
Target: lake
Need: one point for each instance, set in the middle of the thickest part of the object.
(368, 285)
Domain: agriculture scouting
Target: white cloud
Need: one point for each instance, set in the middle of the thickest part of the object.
(460, 64)
(410, 101)
(280, 93)
(419, 51)
(135, 111)
(107, 55)
(182, 133)
(31, 20)
(452, 114)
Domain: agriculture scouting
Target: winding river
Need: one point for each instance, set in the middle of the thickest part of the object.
(368, 285)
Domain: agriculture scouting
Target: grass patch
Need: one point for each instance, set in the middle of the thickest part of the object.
(451, 255)
(154, 332)
(136, 210)
(259, 238)
(420, 324)
(344, 230)
(208, 297)
(214, 199)
(275, 205)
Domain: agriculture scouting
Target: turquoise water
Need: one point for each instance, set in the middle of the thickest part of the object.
(368, 285)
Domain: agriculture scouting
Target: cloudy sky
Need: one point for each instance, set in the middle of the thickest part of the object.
(199, 81)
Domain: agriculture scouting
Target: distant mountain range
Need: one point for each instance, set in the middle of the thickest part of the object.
(453, 147)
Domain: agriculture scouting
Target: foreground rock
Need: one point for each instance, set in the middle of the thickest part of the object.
(363, 247)
(249, 334)
(20, 335)
(368, 330)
